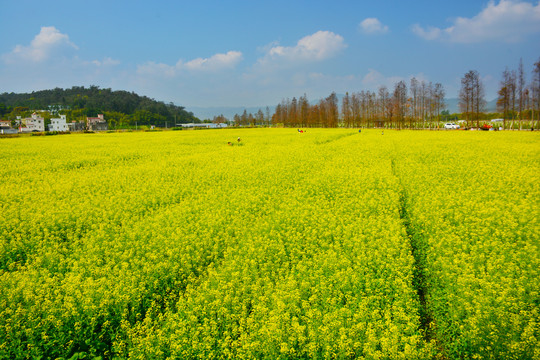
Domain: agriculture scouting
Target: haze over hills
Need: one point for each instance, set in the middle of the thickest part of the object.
(452, 105)
(204, 113)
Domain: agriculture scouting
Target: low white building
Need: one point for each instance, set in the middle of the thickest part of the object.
(58, 124)
(204, 125)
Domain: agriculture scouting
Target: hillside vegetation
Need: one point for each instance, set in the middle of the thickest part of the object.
(120, 107)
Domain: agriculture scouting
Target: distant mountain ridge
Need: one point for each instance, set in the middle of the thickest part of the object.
(452, 105)
(205, 113)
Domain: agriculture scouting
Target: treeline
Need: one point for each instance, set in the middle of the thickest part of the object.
(418, 104)
(404, 106)
(121, 108)
(517, 99)
(260, 118)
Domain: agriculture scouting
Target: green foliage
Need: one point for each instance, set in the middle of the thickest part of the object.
(80, 102)
(3, 110)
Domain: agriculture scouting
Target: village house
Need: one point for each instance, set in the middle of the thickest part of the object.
(58, 124)
(5, 127)
(34, 123)
(96, 123)
(76, 126)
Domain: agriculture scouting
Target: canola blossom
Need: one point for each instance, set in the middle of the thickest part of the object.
(327, 244)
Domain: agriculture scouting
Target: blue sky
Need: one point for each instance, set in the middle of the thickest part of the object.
(255, 53)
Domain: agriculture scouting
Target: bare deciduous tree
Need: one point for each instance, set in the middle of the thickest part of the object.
(472, 97)
(400, 103)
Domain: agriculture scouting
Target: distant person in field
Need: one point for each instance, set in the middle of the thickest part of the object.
(239, 139)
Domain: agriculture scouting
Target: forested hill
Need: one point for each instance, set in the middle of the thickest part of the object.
(118, 106)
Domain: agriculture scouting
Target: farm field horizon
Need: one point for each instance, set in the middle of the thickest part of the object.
(327, 244)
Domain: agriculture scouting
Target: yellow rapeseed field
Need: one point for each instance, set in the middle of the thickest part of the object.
(327, 244)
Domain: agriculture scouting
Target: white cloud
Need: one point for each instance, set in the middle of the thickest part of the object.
(431, 33)
(294, 68)
(105, 62)
(156, 69)
(50, 60)
(318, 46)
(48, 42)
(508, 21)
(266, 48)
(374, 79)
(373, 26)
(214, 63)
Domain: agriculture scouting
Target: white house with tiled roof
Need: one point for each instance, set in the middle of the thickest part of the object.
(34, 123)
(58, 124)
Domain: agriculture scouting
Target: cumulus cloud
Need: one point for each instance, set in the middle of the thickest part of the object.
(373, 79)
(318, 46)
(430, 33)
(290, 66)
(509, 21)
(105, 62)
(296, 68)
(42, 47)
(159, 69)
(373, 26)
(214, 63)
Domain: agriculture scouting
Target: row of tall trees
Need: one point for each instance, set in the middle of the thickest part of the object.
(472, 102)
(260, 118)
(517, 99)
(300, 113)
(420, 103)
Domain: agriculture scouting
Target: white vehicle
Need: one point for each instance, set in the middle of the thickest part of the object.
(451, 126)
